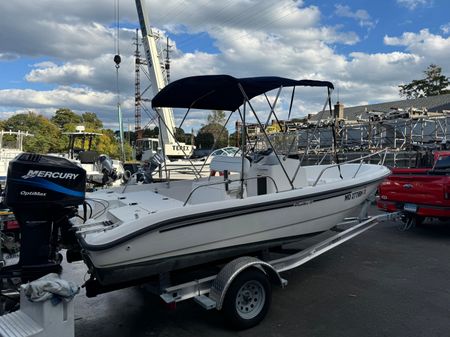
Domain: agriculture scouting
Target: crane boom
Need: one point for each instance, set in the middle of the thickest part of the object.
(158, 81)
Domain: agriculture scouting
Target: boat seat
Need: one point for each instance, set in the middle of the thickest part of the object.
(269, 177)
(88, 157)
(229, 164)
(214, 189)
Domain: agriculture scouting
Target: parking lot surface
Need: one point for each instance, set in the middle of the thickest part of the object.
(385, 282)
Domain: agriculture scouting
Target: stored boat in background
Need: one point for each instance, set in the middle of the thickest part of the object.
(101, 170)
(10, 151)
(184, 169)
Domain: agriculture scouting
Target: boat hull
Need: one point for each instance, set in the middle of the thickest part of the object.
(223, 232)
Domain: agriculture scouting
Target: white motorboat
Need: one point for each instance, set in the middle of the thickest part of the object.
(130, 234)
(139, 231)
(101, 170)
(145, 232)
(8, 152)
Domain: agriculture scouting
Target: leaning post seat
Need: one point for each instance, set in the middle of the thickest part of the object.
(209, 190)
(88, 157)
(229, 164)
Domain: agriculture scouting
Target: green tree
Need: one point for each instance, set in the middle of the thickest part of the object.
(235, 139)
(216, 128)
(47, 136)
(151, 133)
(180, 135)
(216, 117)
(218, 133)
(108, 144)
(204, 140)
(66, 119)
(91, 121)
(433, 84)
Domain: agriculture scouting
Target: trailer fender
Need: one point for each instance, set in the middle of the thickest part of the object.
(228, 273)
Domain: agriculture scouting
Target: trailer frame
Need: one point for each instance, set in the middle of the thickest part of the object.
(211, 292)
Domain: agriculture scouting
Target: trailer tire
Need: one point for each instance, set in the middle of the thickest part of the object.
(248, 299)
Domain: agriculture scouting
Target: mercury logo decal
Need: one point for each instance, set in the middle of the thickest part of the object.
(49, 174)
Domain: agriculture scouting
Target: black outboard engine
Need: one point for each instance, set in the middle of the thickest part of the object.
(106, 167)
(43, 192)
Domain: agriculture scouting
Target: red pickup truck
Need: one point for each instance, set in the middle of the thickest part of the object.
(418, 192)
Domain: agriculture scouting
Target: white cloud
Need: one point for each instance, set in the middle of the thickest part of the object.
(433, 48)
(413, 4)
(446, 28)
(61, 96)
(47, 102)
(69, 73)
(360, 15)
(381, 67)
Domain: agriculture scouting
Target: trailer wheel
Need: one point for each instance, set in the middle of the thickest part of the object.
(248, 299)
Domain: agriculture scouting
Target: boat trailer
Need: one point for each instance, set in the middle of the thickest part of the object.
(242, 288)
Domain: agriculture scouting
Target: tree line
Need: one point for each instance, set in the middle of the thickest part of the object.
(48, 134)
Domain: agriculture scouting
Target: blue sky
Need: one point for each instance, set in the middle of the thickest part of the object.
(56, 54)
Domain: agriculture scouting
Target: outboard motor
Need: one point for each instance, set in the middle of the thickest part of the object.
(43, 192)
(150, 166)
(108, 170)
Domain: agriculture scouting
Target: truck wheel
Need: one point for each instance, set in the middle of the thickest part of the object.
(248, 299)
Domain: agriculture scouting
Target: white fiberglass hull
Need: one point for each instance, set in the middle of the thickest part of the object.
(175, 237)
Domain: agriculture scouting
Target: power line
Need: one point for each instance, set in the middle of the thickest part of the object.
(246, 21)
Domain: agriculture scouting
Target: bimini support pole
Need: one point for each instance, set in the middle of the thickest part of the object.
(265, 133)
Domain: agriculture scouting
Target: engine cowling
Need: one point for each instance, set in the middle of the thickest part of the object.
(43, 192)
(44, 181)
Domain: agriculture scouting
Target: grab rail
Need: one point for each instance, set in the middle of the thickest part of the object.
(351, 161)
(228, 181)
(182, 170)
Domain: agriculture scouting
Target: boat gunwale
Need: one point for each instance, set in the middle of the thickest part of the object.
(193, 219)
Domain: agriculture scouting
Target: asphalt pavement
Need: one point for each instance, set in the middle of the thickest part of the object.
(385, 282)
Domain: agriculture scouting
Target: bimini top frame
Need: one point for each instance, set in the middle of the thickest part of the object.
(227, 93)
(222, 92)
